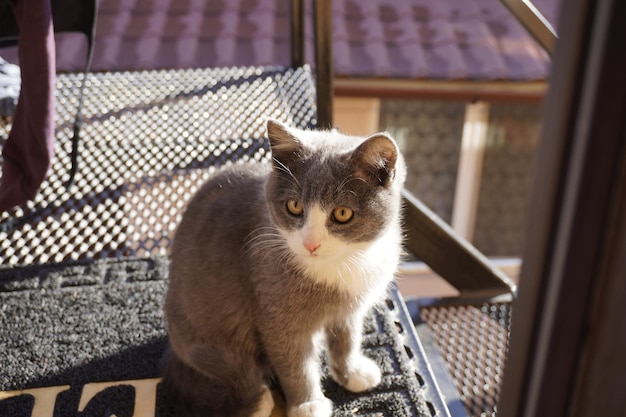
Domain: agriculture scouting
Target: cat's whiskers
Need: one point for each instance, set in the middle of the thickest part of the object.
(267, 241)
(340, 188)
(358, 260)
(340, 274)
(285, 190)
(257, 232)
(263, 240)
(258, 229)
(264, 243)
(284, 168)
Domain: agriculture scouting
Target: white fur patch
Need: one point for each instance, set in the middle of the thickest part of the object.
(365, 374)
(314, 233)
(357, 268)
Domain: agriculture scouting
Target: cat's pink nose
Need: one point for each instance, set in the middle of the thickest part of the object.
(311, 246)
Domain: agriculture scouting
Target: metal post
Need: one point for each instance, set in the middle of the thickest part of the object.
(324, 63)
(297, 33)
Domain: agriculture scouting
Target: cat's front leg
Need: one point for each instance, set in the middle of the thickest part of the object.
(296, 364)
(302, 388)
(348, 365)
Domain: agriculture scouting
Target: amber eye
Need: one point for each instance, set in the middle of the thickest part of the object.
(295, 207)
(342, 214)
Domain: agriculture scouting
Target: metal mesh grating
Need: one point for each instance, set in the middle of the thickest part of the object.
(473, 341)
(148, 140)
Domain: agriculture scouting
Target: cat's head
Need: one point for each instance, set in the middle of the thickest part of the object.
(331, 194)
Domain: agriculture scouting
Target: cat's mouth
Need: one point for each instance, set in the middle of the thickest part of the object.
(307, 253)
(320, 255)
(312, 247)
(309, 249)
(310, 254)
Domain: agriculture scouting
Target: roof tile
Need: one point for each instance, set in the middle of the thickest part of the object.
(427, 10)
(408, 60)
(460, 11)
(439, 39)
(446, 62)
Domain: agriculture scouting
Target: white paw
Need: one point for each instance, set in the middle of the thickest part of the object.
(266, 404)
(317, 408)
(365, 375)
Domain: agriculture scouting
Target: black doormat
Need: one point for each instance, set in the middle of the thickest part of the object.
(91, 335)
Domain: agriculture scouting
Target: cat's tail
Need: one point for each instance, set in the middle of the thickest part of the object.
(233, 389)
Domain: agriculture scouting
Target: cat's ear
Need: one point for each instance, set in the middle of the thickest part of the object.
(284, 144)
(375, 159)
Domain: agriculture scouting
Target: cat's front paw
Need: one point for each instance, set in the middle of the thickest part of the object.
(317, 408)
(364, 374)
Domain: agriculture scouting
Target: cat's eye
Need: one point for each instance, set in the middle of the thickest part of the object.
(342, 214)
(295, 207)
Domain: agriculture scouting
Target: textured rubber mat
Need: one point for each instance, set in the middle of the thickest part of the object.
(148, 140)
(91, 333)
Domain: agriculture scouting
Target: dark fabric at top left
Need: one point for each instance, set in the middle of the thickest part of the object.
(28, 152)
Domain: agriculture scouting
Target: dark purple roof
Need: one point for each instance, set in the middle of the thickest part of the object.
(444, 39)
(425, 39)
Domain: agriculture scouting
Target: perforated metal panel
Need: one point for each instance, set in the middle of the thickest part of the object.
(148, 141)
(429, 134)
(512, 136)
(473, 341)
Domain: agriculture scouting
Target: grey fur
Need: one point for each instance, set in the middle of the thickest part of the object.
(243, 309)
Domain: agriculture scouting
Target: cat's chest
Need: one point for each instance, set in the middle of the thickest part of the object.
(361, 271)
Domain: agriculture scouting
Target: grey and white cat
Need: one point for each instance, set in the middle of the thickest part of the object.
(272, 262)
